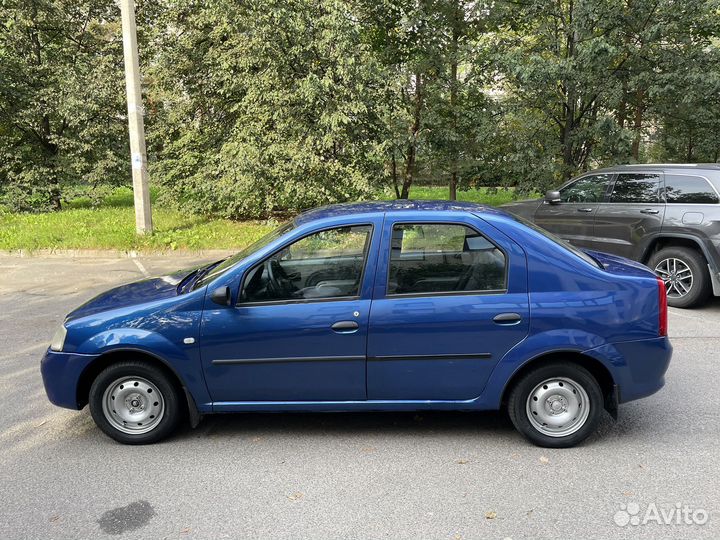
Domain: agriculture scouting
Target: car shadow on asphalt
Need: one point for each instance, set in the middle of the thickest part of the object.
(482, 425)
(491, 425)
(350, 423)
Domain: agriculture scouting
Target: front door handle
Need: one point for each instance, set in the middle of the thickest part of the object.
(650, 211)
(507, 319)
(345, 327)
(586, 210)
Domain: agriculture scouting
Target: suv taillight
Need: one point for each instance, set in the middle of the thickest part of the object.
(662, 305)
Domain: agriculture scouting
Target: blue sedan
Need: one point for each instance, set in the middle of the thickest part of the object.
(384, 306)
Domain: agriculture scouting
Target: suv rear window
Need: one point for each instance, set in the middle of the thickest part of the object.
(683, 189)
(636, 188)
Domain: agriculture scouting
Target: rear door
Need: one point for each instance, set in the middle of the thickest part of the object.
(573, 217)
(450, 300)
(632, 215)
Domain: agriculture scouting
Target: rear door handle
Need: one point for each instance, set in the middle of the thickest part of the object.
(507, 319)
(345, 327)
(650, 211)
(587, 210)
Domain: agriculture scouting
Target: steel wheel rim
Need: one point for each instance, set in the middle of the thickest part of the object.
(558, 407)
(133, 405)
(676, 275)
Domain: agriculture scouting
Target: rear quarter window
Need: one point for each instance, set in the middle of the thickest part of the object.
(685, 189)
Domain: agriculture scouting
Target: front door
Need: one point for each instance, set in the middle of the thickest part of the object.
(299, 330)
(573, 217)
(450, 301)
(632, 216)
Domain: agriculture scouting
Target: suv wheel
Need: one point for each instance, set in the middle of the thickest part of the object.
(557, 405)
(684, 271)
(134, 403)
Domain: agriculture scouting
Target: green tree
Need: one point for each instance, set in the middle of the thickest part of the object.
(61, 98)
(265, 107)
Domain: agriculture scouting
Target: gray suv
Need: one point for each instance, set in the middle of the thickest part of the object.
(665, 216)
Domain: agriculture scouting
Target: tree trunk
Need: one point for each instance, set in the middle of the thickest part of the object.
(570, 108)
(454, 151)
(637, 124)
(396, 187)
(44, 133)
(568, 163)
(453, 186)
(51, 152)
(412, 143)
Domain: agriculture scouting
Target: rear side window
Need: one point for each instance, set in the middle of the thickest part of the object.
(428, 258)
(680, 189)
(636, 188)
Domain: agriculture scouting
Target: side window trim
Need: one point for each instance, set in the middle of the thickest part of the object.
(506, 268)
(707, 180)
(366, 251)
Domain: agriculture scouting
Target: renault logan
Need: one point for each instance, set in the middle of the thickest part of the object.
(386, 306)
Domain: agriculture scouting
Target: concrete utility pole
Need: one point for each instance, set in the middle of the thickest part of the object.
(143, 215)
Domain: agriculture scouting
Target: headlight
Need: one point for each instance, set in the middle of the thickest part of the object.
(58, 340)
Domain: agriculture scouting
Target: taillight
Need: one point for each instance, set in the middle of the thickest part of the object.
(662, 305)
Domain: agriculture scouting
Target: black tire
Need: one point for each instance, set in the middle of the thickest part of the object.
(172, 407)
(701, 288)
(518, 403)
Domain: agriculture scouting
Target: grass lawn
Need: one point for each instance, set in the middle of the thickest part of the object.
(480, 195)
(111, 225)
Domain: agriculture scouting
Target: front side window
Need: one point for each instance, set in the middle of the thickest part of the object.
(636, 188)
(325, 264)
(588, 189)
(443, 258)
(680, 189)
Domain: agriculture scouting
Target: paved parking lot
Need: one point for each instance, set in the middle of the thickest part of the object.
(440, 475)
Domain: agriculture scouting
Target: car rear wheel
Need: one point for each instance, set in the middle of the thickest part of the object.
(557, 405)
(685, 274)
(134, 403)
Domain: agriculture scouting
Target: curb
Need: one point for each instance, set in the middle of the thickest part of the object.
(112, 253)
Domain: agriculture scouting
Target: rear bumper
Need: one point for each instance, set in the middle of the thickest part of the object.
(638, 367)
(61, 374)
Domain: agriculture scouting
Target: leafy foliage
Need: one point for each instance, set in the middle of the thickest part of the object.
(61, 99)
(267, 107)
(276, 112)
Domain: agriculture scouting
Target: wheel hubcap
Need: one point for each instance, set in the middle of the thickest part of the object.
(676, 275)
(558, 407)
(133, 405)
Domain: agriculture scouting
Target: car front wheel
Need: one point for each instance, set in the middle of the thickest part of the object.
(134, 403)
(685, 274)
(557, 405)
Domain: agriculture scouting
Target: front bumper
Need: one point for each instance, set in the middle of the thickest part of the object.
(61, 374)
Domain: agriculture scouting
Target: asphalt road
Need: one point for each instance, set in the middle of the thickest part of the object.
(440, 475)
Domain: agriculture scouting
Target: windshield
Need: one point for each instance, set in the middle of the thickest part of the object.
(563, 243)
(231, 261)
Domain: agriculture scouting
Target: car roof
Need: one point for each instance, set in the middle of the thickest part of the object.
(383, 207)
(656, 166)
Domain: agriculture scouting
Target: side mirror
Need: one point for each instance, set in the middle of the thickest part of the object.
(552, 197)
(221, 296)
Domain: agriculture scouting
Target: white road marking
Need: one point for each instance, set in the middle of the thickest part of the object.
(141, 268)
(26, 350)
